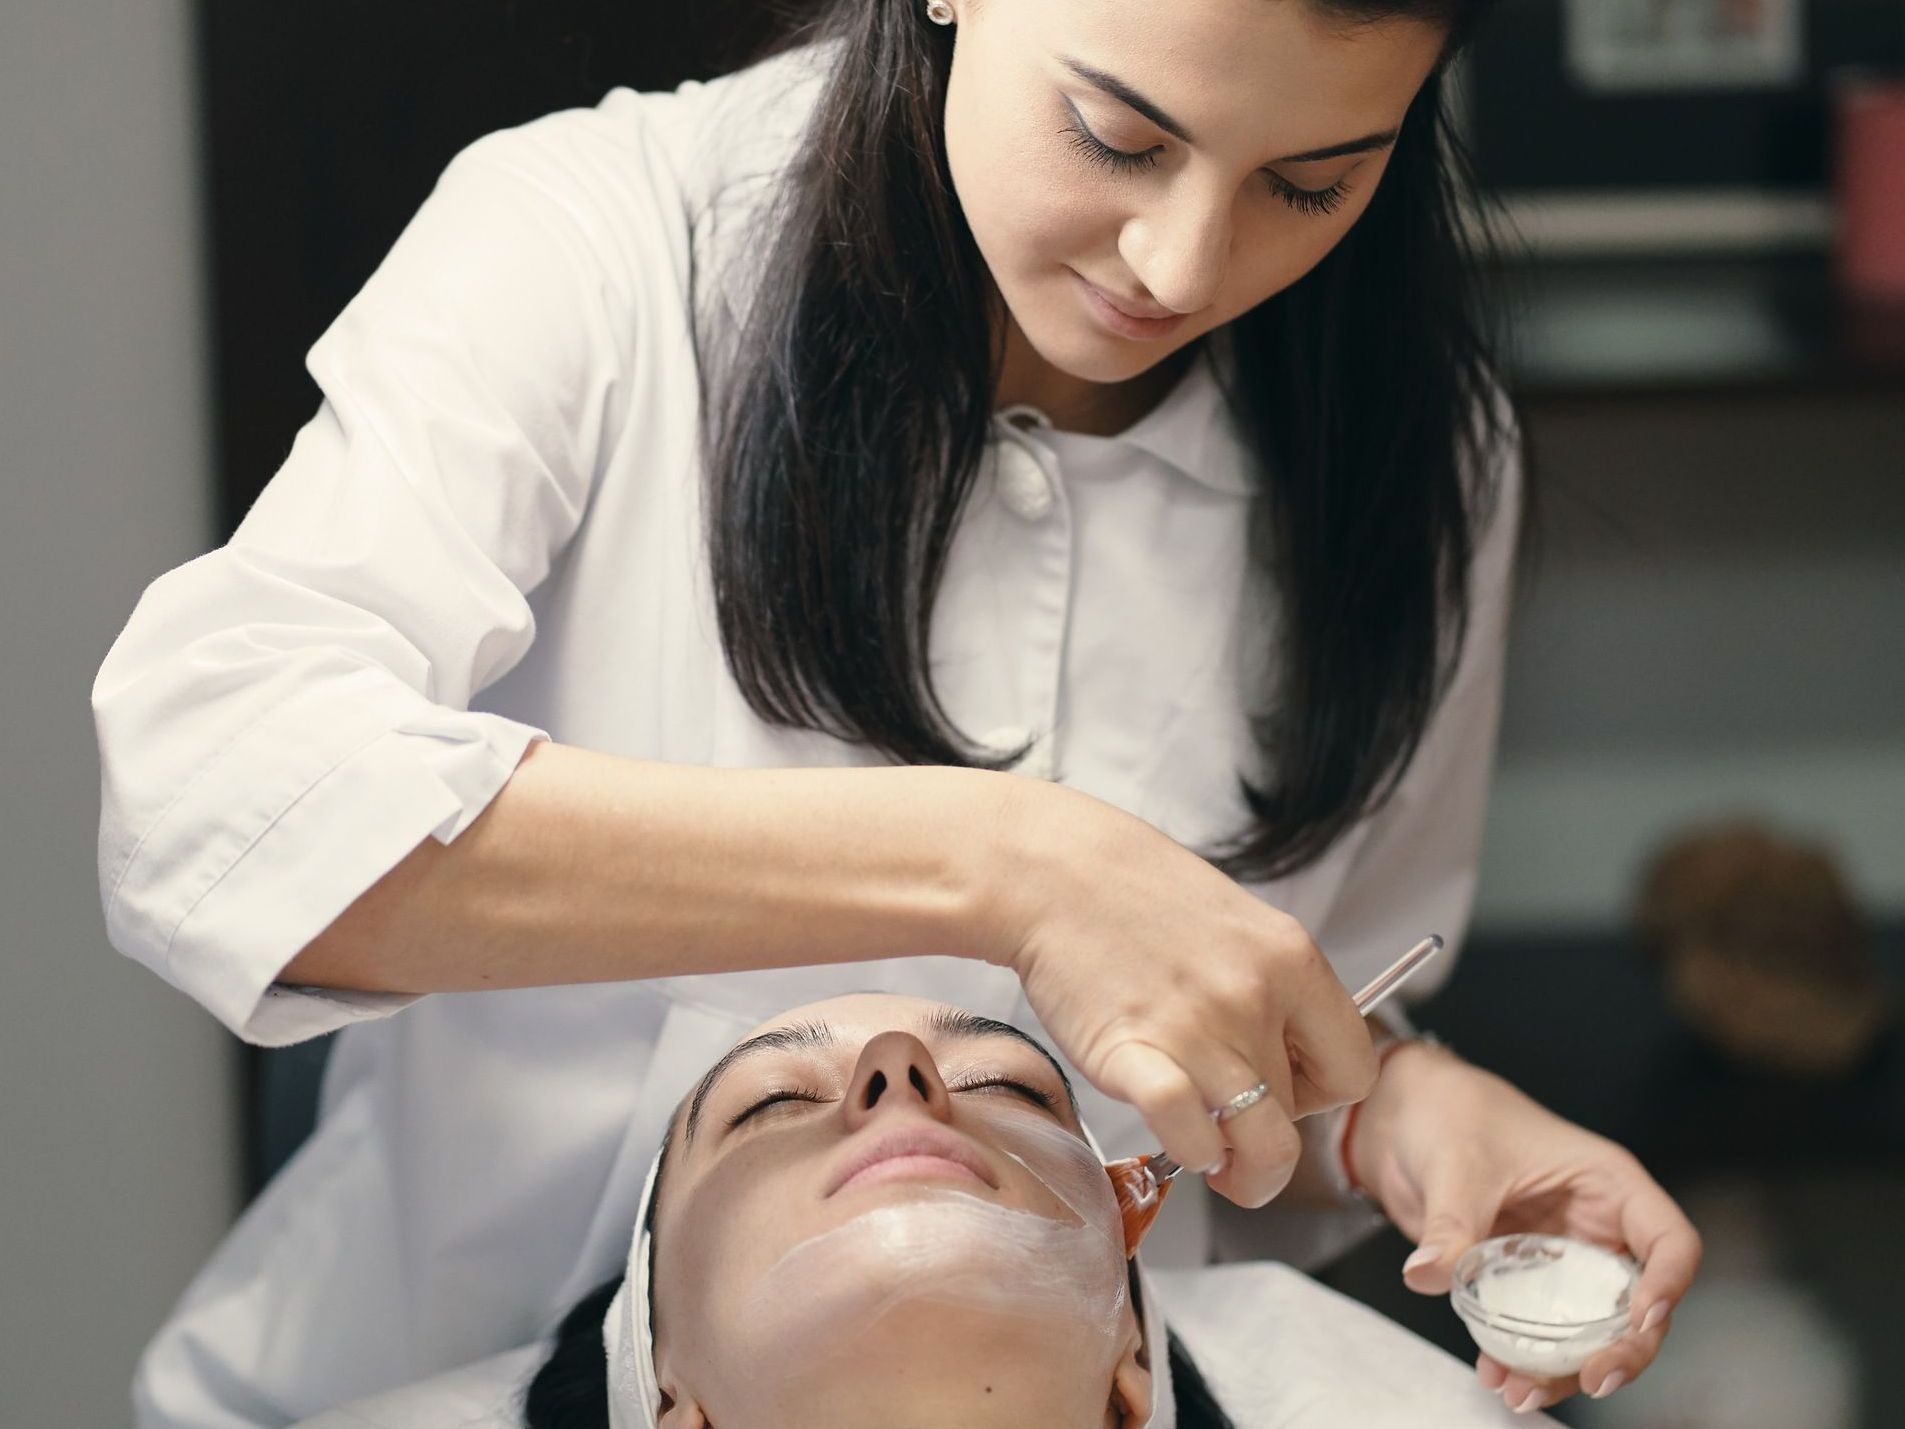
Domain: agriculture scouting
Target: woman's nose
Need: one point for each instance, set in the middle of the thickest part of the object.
(896, 1070)
(1179, 250)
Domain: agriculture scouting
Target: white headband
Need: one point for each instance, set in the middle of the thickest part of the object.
(628, 1332)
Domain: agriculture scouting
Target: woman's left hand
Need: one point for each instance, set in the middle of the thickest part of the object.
(1456, 1155)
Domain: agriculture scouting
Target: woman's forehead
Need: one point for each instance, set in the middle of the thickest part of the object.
(857, 1017)
(1275, 76)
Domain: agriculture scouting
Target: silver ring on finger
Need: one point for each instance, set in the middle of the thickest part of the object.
(1243, 1101)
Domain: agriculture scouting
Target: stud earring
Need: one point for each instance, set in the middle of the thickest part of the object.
(939, 12)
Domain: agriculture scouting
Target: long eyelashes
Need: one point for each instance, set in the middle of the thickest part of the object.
(1011, 1084)
(790, 1094)
(1311, 201)
(1307, 201)
(1101, 153)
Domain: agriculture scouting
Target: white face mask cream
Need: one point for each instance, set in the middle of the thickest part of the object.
(1543, 1305)
(1059, 1255)
(949, 1247)
(945, 1247)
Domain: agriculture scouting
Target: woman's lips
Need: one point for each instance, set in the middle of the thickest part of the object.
(912, 1153)
(913, 1168)
(1117, 320)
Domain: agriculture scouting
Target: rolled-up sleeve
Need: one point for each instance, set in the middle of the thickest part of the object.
(283, 719)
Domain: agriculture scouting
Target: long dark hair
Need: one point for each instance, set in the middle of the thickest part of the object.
(847, 423)
(571, 1389)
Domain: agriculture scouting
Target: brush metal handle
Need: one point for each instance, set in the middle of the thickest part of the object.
(1392, 977)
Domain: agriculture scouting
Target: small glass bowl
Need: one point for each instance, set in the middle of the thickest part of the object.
(1539, 1348)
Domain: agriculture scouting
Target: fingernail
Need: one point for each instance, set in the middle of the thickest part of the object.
(1532, 1402)
(1424, 1255)
(1613, 1382)
(1654, 1316)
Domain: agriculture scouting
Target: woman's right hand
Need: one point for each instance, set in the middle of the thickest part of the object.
(1170, 987)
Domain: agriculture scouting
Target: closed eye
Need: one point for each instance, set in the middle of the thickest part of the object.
(1012, 1084)
(1307, 200)
(976, 1084)
(773, 1099)
(1124, 161)
(1097, 151)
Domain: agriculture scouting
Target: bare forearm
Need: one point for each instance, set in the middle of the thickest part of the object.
(591, 867)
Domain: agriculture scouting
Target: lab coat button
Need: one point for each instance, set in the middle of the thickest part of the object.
(1036, 762)
(1023, 485)
(1006, 738)
(1025, 416)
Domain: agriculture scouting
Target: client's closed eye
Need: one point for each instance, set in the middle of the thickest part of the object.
(974, 1084)
(1011, 1084)
(785, 1094)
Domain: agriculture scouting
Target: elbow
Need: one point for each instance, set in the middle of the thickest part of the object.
(328, 961)
(361, 949)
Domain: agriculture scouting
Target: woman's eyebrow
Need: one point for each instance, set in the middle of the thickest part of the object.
(799, 1036)
(1126, 95)
(1381, 139)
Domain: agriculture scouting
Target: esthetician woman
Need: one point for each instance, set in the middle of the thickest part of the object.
(1004, 502)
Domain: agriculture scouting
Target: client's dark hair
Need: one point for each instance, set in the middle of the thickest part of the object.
(571, 1390)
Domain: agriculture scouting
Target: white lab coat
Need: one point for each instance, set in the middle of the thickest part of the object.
(492, 529)
(1278, 1351)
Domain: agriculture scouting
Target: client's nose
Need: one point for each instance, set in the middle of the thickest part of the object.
(895, 1069)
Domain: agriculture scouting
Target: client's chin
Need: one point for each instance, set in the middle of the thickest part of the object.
(928, 1362)
(991, 1313)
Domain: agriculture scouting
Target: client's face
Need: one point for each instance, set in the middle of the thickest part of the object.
(880, 1211)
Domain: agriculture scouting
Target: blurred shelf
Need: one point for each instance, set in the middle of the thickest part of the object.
(1599, 327)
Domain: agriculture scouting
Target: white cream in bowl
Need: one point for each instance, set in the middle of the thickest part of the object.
(1542, 1304)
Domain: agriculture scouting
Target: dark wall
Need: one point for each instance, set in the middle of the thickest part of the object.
(1536, 127)
(327, 126)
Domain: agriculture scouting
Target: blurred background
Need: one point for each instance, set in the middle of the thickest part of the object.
(1691, 918)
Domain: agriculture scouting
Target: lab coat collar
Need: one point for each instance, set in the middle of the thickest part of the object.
(1192, 430)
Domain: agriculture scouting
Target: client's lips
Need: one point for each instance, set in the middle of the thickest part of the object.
(910, 1150)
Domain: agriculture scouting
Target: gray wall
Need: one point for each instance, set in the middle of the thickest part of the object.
(1717, 627)
(118, 1162)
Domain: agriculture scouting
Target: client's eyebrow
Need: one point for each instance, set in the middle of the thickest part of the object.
(957, 1023)
(782, 1039)
(953, 1023)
